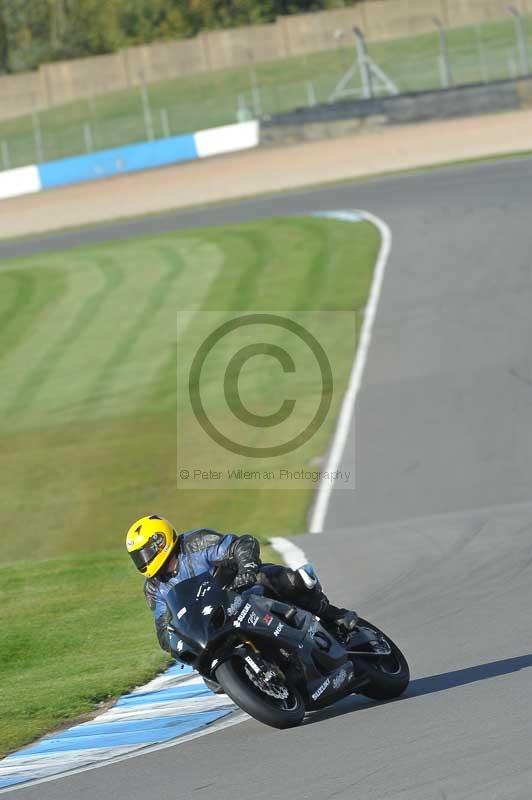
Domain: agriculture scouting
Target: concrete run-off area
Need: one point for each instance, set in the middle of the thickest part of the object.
(269, 170)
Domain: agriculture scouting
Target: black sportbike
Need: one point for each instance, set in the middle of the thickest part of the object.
(274, 660)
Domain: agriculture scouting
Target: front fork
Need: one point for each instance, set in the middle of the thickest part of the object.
(253, 658)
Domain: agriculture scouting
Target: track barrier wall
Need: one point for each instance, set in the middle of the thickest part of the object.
(348, 117)
(324, 121)
(130, 158)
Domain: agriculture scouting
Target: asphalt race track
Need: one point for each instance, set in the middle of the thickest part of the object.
(435, 544)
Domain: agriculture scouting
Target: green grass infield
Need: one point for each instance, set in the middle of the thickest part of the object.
(89, 436)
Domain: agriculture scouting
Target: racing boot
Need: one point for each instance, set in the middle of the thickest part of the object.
(339, 621)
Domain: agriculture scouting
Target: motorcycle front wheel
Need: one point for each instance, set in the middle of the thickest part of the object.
(389, 675)
(273, 702)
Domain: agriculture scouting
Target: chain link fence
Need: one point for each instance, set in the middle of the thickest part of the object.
(481, 53)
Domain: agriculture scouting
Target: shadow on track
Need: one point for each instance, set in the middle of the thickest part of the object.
(430, 685)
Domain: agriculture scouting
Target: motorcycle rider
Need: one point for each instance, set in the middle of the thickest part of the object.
(166, 558)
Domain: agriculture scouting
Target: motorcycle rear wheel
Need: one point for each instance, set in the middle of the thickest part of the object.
(389, 675)
(283, 711)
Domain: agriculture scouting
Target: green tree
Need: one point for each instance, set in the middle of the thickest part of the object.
(4, 44)
(34, 31)
(24, 34)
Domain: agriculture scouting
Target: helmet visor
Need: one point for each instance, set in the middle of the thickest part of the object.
(144, 556)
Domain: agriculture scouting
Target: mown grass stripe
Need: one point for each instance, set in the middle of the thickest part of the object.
(249, 278)
(30, 298)
(25, 285)
(31, 357)
(153, 381)
(112, 372)
(311, 286)
(28, 392)
(213, 259)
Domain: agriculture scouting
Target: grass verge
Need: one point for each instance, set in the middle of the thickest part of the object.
(88, 437)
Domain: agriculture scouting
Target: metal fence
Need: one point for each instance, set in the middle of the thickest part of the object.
(481, 53)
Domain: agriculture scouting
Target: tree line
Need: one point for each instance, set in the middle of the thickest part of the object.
(36, 31)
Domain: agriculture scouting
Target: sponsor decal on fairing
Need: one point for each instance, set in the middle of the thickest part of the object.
(235, 605)
(240, 619)
(321, 689)
(339, 679)
(252, 664)
(203, 589)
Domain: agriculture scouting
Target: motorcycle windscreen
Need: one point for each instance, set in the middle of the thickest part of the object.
(191, 604)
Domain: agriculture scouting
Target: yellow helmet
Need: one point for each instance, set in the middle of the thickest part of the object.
(150, 542)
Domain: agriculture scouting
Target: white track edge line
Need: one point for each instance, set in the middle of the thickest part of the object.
(291, 554)
(345, 418)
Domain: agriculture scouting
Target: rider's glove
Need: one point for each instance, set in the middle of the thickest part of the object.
(246, 577)
(347, 620)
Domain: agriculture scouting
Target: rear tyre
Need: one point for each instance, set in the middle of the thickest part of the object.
(389, 674)
(274, 703)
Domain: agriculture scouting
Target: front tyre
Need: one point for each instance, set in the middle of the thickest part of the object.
(274, 702)
(389, 675)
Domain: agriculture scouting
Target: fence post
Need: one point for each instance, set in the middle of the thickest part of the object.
(37, 136)
(242, 111)
(87, 137)
(365, 72)
(521, 40)
(481, 58)
(5, 155)
(165, 123)
(148, 121)
(255, 93)
(311, 94)
(445, 64)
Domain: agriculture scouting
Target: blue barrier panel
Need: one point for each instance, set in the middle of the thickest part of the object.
(129, 158)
